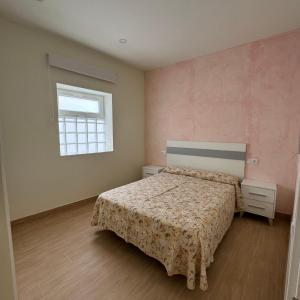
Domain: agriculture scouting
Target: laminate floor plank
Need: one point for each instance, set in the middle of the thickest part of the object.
(60, 256)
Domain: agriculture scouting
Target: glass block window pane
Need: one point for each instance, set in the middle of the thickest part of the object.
(63, 150)
(71, 127)
(83, 120)
(61, 127)
(92, 127)
(92, 137)
(71, 148)
(81, 127)
(71, 138)
(101, 137)
(100, 127)
(62, 139)
(82, 138)
(82, 148)
(101, 147)
(81, 135)
(92, 147)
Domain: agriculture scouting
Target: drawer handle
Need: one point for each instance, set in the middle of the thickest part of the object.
(256, 194)
(254, 206)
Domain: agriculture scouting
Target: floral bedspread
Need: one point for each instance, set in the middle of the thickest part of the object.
(178, 216)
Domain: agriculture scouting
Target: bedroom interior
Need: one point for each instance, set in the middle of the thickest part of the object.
(153, 157)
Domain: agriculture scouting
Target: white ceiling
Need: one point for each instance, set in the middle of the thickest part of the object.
(159, 32)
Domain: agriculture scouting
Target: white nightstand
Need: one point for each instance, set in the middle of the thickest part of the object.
(260, 198)
(151, 170)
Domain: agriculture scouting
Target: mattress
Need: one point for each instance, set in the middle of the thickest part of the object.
(178, 216)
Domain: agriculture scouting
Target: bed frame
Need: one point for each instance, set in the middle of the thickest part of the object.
(223, 157)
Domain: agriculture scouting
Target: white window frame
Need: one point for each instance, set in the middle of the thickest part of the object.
(104, 115)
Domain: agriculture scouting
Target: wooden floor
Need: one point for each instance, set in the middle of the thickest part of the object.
(61, 256)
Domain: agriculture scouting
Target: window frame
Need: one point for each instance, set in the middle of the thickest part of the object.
(93, 97)
(104, 117)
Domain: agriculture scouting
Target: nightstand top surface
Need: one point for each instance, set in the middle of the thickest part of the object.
(260, 184)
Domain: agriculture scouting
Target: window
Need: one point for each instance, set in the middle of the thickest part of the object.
(84, 120)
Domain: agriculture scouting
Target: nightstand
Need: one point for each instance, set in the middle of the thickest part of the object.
(151, 170)
(260, 198)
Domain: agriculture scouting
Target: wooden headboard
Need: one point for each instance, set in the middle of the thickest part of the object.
(223, 157)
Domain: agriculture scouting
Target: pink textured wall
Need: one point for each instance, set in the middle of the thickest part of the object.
(248, 94)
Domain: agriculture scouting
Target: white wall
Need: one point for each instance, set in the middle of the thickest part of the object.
(292, 288)
(38, 179)
(7, 273)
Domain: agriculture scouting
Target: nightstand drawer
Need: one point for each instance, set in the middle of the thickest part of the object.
(259, 207)
(258, 194)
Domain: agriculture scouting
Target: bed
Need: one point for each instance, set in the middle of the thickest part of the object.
(180, 215)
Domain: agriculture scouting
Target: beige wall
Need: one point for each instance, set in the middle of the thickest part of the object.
(7, 273)
(38, 178)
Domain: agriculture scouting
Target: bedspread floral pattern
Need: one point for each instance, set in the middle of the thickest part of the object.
(174, 216)
(213, 176)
